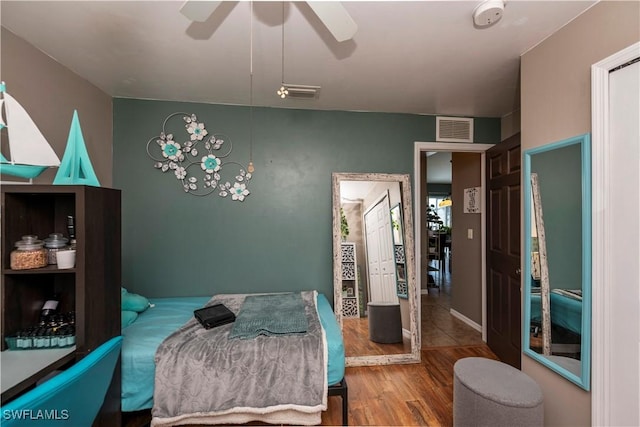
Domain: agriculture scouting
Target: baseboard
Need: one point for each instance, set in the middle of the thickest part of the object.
(466, 320)
(424, 291)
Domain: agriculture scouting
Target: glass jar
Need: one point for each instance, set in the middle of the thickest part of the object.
(53, 244)
(29, 253)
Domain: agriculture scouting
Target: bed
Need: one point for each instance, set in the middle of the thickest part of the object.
(566, 309)
(166, 315)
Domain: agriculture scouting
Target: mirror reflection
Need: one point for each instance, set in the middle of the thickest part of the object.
(398, 251)
(373, 276)
(557, 205)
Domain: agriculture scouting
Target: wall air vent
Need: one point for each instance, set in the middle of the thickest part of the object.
(302, 91)
(454, 129)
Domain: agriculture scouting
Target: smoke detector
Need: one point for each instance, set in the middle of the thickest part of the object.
(488, 13)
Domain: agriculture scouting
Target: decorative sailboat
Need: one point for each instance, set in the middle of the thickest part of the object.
(76, 168)
(30, 152)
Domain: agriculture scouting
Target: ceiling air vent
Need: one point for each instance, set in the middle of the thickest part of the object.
(301, 91)
(454, 129)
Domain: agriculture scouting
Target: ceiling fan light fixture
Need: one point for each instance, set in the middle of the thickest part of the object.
(332, 14)
(336, 18)
(199, 11)
(283, 92)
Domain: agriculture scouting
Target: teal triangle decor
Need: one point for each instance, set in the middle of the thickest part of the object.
(75, 167)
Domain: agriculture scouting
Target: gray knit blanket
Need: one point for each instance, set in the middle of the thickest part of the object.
(203, 377)
(278, 314)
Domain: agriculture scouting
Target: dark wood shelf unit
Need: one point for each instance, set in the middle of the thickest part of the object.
(49, 269)
(91, 289)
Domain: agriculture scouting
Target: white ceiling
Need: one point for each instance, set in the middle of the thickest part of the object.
(421, 57)
(439, 167)
(352, 191)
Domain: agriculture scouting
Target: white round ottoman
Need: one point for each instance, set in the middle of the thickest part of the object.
(491, 393)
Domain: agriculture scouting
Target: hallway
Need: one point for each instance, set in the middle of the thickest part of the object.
(439, 327)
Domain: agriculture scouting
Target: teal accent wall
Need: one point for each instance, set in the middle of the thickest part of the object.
(279, 238)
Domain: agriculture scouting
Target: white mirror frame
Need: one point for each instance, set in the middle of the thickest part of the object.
(407, 224)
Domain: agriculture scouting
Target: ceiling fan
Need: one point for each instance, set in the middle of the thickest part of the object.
(331, 13)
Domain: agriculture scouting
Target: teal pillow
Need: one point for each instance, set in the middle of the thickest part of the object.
(128, 317)
(134, 302)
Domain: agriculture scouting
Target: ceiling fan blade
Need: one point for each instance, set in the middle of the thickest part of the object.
(199, 11)
(336, 18)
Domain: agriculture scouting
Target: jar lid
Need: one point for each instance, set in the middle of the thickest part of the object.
(29, 242)
(55, 240)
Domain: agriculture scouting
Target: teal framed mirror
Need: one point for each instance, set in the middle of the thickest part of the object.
(557, 257)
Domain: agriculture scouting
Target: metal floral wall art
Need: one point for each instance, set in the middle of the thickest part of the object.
(198, 162)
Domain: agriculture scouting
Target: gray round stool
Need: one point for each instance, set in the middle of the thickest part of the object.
(491, 393)
(385, 323)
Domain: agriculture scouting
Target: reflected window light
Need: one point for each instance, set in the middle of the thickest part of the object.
(444, 212)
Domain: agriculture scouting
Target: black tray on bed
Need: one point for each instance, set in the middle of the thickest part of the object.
(214, 315)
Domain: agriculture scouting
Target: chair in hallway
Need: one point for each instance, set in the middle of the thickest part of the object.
(440, 256)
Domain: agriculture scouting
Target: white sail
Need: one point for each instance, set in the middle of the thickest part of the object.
(2, 123)
(27, 144)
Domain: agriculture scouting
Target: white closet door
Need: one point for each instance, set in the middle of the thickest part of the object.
(387, 261)
(382, 274)
(624, 207)
(373, 258)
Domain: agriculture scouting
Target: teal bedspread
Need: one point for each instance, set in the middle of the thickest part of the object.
(565, 311)
(281, 314)
(139, 344)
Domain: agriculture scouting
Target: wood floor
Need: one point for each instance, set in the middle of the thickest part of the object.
(438, 326)
(404, 395)
(355, 333)
(418, 394)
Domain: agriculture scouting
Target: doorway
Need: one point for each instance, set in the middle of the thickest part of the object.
(439, 208)
(420, 214)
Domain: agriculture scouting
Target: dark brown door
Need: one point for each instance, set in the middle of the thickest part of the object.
(503, 250)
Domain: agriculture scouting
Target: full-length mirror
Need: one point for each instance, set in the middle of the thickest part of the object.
(374, 269)
(557, 195)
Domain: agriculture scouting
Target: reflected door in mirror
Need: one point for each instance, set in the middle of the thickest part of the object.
(380, 252)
